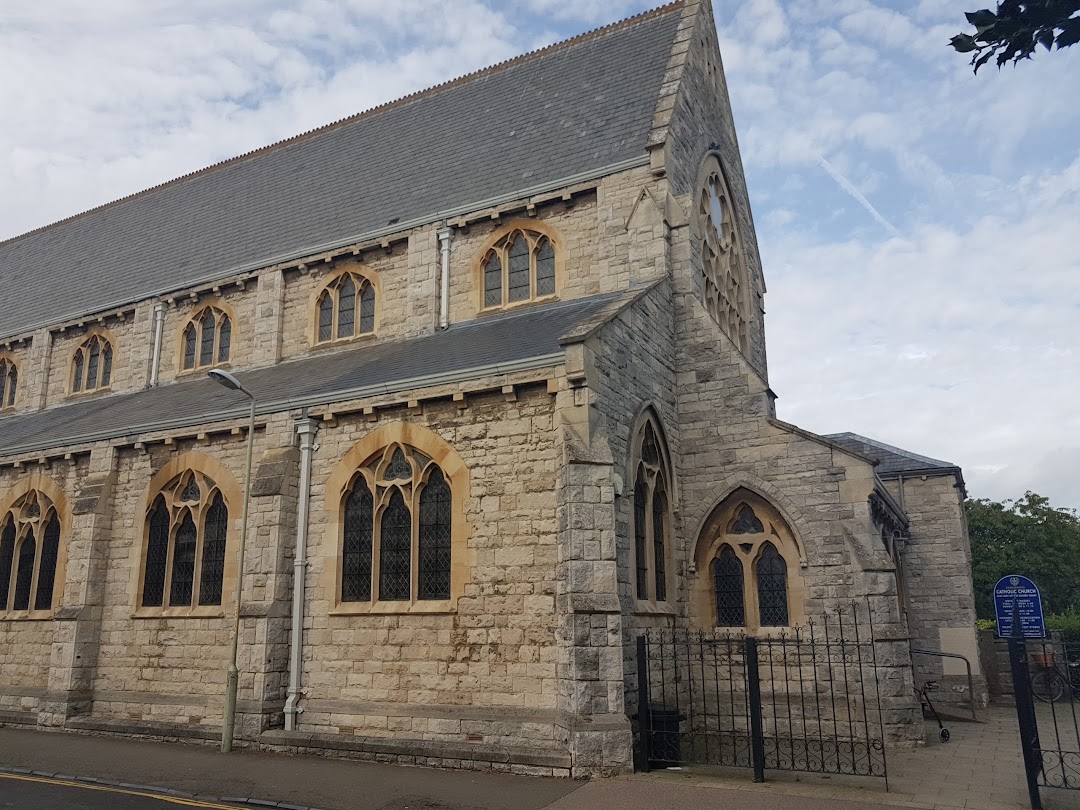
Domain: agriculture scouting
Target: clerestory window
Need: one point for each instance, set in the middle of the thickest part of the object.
(345, 308)
(29, 555)
(187, 527)
(397, 530)
(519, 267)
(207, 339)
(92, 364)
(9, 382)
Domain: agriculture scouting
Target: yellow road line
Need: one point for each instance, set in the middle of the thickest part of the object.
(109, 789)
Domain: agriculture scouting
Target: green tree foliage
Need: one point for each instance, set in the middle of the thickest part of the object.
(1025, 536)
(1017, 28)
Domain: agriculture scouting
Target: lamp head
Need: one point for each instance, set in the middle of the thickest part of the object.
(227, 379)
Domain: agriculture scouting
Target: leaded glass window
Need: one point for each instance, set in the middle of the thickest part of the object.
(215, 530)
(189, 346)
(395, 549)
(356, 548)
(434, 538)
(346, 308)
(224, 339)
(206, 345)
(91, 366)
(651, 512)
(29, 551)
(186, 544)
(9, 380)
(747, 522)
(728, 589)
(397, 530)
(772, 587)
(50, 549)
(207, 338)
(519, 267)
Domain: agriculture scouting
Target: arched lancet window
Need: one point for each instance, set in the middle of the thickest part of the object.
(519, 267)
(29, 554)
(187, 527)
(345, 308)
(651, 512)
(397, 530)
(91, 366)
(207, 339)
(753, 564)
(9, 382)
(724, 281)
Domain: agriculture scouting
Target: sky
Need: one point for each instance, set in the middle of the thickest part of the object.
(919, 225)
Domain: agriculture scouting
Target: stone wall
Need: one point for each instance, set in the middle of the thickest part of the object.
(238, 302)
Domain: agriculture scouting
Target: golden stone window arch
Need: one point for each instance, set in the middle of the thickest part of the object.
(521, 262)
(724, 282)
(748, 567)
(651, 500)
(347, 305)
(185, 565)
(398, 532)
(9, 381)
(206, 339)
(92, 363)
(32, 555)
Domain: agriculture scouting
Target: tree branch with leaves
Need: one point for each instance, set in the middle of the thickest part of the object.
(1017, 28)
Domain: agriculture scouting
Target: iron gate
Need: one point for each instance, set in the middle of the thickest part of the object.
(803, 700)
(1046, 678)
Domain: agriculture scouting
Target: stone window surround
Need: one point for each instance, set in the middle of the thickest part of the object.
(533, 229)
(714, 536)
(406, 434)
(36, 482)
(105, 336)
(8, 366)
(360, 273)
(223, 308)
(648, 416)
(231, 493)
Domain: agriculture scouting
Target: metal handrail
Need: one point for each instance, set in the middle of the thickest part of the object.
(967, 663)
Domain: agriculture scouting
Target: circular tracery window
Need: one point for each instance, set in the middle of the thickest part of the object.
(724, 286)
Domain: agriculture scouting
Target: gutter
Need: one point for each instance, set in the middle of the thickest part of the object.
(276, 406)
(398, 227)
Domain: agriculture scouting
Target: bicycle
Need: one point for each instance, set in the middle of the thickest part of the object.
(1050, 684)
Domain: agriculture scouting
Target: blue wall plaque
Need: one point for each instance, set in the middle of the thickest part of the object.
(1021, 592)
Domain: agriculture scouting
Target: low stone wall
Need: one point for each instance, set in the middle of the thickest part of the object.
(995, 661)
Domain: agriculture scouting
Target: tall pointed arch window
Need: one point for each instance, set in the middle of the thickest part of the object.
(345, 308)
(519, 267)
(187, 527)
(724, 283)
(397, 530)
(9, 382)
(207, 339)
(753, 565)
(651, 513)
(30, 555)
(92, 364)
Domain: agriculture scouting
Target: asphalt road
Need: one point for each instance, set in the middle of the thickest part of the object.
(34, 793)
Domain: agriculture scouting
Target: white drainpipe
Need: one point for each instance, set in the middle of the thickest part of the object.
(445, 235)
(159, 326)
(306, 429)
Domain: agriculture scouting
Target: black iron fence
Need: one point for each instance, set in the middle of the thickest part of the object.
(807, 699)
(1046, 677)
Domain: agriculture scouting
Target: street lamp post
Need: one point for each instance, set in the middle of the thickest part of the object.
(229, 381)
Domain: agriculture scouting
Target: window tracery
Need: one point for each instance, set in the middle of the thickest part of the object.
(651, 513)
(345, 308)
(29, 554)
(724, 283)
(9, 382)
(91, 365)
(187, 526)
(519, 267)
(397, 530)
(207, 339)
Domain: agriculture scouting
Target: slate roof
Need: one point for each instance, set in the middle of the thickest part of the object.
(471, 349)
(891, 460)
(563, 111)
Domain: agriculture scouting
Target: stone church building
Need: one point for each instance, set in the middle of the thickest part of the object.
(506, 342)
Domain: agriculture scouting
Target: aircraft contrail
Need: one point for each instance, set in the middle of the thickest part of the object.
(846, 185)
